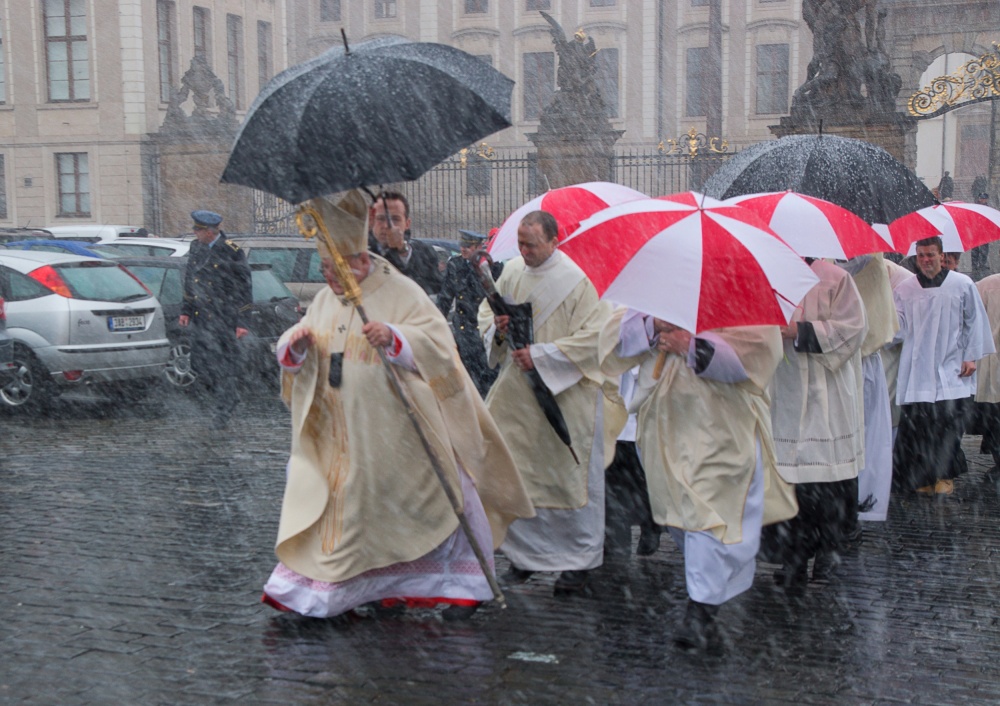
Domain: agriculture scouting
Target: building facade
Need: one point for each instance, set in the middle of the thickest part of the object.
(84, 83)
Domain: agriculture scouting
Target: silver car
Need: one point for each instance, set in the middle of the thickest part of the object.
(78, 321)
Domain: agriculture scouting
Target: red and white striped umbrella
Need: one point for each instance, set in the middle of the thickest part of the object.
(961, 226)
(814, 227)
(569, 205)
(697, 267)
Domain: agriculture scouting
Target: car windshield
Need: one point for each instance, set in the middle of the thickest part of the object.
(282, 260)
(267, 287)
(101, 281)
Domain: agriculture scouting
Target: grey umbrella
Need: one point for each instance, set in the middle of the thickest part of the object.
(854, 174)
(383, 111)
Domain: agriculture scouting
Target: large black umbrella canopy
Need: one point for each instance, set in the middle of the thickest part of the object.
(382, 111)
(854, 174)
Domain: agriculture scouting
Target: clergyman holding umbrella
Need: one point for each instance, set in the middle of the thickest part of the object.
(364, 517)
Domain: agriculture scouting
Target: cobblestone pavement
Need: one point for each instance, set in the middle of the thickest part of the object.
(136, 542)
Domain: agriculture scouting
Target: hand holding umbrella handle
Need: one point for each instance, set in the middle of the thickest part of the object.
(352, 292)
(661, 360)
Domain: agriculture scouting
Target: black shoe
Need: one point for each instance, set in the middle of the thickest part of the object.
(792, 578)
(649, 541)
(459, 612)
(698, 629)
(570, 582)
(825, 565)
(516, 575)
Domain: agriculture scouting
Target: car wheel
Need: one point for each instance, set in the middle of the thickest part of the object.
(30, 387)
(178, 371)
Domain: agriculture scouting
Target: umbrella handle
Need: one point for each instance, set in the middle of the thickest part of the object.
(661, 360)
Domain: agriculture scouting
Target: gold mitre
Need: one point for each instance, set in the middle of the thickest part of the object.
(346, 218)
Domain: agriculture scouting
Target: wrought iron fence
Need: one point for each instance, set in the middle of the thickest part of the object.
(477, 189)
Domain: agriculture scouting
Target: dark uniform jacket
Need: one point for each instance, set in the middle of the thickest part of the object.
(217, 286)
(422, 267)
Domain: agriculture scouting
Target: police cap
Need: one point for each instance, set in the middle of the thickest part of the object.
(470, 237)
(206, 218)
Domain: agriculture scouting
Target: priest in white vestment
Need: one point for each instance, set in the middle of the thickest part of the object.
(817, 413)
(567, 534)
(704, 437)
(875, 478)
(988, 374)
(364, 517)
(944, 330)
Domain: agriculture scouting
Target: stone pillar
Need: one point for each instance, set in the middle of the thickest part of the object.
(575, 158)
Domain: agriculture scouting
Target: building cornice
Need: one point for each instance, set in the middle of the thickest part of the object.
(696, 27)
(771, 22)
(475, 32)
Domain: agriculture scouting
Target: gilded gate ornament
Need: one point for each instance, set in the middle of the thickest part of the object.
(976, 80)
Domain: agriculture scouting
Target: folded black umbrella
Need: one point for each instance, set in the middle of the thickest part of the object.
(854, 174)
(383, 111)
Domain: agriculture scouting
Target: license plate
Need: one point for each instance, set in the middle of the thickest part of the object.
(126, 323)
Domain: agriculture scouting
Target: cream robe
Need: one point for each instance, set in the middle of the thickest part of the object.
(939, 327)
(817, 399)
(565, 354)
(361, 493)
(875, 478)
(698, 436)
(890, 354)
(988, 369)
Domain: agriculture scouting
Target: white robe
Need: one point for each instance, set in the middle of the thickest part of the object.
(875, 479)
(817, 409)
(939, 327)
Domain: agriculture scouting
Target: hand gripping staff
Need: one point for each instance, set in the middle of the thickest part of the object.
(352, 292)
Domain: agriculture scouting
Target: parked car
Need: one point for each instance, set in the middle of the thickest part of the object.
(274, 310)
(8, 235)
(7, 367)
(73, 247)
(143, 247)
(95, 233)
(294, 260)
(444, 249)
(78, 321)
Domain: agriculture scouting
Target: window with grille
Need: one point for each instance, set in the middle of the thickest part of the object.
(234, 55)
(696, 103)
(539, 82)
(66, 58)
(166, 14)
(607, 79)
(476, 7)
(530, 5)
(265, 56)
(385, 9)
(602, 3)
(329, 10)
(202, 34)
(772, 78)
(73, 176)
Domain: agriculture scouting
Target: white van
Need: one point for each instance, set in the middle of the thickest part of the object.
(96, 234)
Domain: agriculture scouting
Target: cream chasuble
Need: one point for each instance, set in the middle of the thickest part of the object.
(698, 435)
(988, 368)
(817, 399)
(361, 493)
(568, 317)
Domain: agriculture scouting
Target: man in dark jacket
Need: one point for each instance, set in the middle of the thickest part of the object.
(416, 260)
(217, 299)
(461, 285)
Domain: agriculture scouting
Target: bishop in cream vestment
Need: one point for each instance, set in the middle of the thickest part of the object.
(364, 516)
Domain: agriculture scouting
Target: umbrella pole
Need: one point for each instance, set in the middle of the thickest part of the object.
(353, 293)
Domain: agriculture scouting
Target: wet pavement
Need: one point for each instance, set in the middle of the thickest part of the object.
(136, 542)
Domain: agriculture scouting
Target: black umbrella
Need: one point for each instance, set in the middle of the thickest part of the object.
(854, 174)
(384, 111)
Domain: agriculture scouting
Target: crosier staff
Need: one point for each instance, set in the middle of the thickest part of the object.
(352, 292)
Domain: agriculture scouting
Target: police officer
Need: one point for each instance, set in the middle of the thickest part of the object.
(217, 299)
(461, 285)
